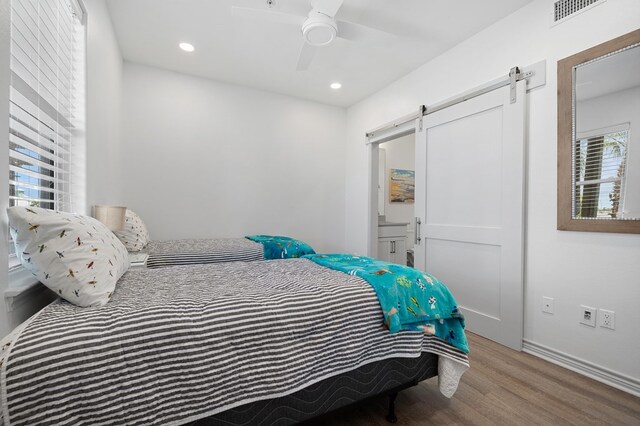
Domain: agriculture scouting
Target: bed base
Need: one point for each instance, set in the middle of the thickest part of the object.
(388, 376)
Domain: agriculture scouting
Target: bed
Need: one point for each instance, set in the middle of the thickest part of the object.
(199, 251)
(216, 250)
(163, 253)
(215, 344)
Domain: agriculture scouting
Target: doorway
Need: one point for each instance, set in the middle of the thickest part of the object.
(389, 240)
(396, 200)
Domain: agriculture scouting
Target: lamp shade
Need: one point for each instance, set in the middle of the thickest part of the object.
(112, 216)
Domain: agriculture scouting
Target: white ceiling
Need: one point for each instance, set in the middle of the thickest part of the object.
(264, 54)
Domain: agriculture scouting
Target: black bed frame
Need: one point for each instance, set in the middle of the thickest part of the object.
(388, 376)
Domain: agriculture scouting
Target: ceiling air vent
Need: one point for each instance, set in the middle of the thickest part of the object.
(565, 8)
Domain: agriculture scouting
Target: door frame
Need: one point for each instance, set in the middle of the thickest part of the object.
(374, 139)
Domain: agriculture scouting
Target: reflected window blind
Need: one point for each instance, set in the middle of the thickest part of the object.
(46, 105)
(600, 174)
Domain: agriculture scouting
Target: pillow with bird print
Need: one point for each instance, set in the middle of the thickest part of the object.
(134, 236)
(76, 256)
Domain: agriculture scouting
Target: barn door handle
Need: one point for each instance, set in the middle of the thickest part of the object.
(417, 237)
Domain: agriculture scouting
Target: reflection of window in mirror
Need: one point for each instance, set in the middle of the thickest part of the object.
(599, 138)
(600, 160)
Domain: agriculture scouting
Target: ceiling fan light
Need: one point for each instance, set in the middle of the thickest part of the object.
(319, 29)
(319, 34)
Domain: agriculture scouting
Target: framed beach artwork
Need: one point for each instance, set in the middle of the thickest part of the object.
(402, 186)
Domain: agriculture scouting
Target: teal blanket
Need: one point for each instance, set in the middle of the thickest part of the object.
(410, 299)
(276, 247)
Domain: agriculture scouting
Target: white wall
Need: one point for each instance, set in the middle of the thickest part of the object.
(400, 154)
(209, 159)
(596, 269)
(104, 108)
(611, 110)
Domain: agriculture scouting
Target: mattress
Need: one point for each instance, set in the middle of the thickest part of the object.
(193, 252)
(183, 343)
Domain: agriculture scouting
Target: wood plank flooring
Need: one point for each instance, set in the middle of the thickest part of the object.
(503, 387)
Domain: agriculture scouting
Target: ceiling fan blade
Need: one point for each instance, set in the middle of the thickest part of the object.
(269, 15)
(327, 7)
(362, 33)
(307, 54)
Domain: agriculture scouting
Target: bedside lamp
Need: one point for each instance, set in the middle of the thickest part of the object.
(112, 216)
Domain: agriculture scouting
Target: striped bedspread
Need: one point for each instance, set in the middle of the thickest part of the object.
(182, 343)
(196, 252)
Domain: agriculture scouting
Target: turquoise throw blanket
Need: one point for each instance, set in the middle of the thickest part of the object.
(276, 247)
(410, 299)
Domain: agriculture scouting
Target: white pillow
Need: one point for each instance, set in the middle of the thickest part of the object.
(76, 256)
(134, 236)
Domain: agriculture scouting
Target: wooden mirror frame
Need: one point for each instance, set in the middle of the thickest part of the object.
(566, 222)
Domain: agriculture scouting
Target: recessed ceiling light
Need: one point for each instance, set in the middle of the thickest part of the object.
(187, 47)
(336, 85)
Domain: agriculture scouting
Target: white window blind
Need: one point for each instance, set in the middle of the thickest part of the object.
(46, 104)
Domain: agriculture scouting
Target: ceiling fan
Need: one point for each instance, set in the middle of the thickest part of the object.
(319, 27)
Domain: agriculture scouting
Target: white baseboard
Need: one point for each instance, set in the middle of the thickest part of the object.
(596, 372)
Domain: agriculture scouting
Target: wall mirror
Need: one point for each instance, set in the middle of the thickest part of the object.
(599, 138)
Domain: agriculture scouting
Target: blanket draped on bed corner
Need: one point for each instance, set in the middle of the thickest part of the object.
(277, 247)
(410, 299)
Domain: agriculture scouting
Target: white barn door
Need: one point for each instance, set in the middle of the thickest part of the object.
(470, 200)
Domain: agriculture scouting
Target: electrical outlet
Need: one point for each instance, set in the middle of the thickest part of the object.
(587, 315)
(607, 319)
(547, 304)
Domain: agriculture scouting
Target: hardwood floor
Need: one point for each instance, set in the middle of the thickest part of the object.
(502, 387)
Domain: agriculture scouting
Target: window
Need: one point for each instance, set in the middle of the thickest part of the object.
(46, 101)
(599, 174)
